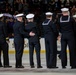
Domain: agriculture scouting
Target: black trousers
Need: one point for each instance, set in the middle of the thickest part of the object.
(34, 44)
(75, 46)
(4, 49)
(67, 39)
(51, 50)
(0, 58)
(19, 46)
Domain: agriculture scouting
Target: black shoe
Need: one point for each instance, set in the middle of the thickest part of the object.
(39, 67)
(7, 66)
(1, 66)
(19, 66)
(52, 67)
(55, 67)
(63, 67)
(32, 66)
(73, 67)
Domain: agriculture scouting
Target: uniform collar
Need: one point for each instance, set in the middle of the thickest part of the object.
(65, 20)
(46, 23)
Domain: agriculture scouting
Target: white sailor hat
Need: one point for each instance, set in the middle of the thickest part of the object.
(64, 9)
(30, 16)
(19, 15)
(48, 13)
(1, 15)
(74, 16)
(8, 15)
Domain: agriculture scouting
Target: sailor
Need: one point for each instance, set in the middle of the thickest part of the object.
(50, 36)
(66, 26)
(19, 34)
(74, 17)
(3, 43)
(33, 40)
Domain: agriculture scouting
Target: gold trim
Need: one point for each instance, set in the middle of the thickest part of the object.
(26, 51)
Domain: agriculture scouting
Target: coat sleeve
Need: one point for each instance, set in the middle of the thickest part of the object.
(54, 28)
(73, 24)
(58, 25)
(38, 31)
(5, 30)
(23, 32)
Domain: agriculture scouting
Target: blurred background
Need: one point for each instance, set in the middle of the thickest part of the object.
(38, 7)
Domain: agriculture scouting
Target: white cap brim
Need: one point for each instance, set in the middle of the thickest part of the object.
(1, 15)
(8, 15)
(19, 15)
(30, 16)
(64, 9)
(74, 16)
(48, 13)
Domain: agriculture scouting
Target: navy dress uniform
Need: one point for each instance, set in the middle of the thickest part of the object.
(33, 41)
(19, 40)
(0, 59)
(3, 43)
(50, 35)
(67, 37)
(19, 34)
(74, 16)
